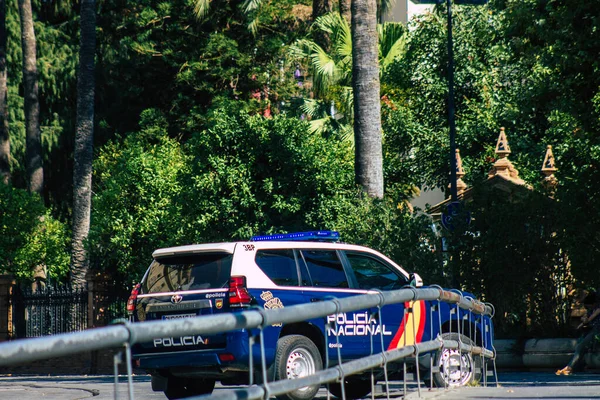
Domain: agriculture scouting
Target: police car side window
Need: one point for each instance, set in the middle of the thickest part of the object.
(325, 268)
(372, 273)
(279, 266)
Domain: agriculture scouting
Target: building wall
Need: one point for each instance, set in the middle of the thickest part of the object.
(404, 10)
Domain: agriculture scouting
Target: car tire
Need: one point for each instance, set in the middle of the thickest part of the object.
(355, 388)
(296, 357)
(456, 368)
(180, 388)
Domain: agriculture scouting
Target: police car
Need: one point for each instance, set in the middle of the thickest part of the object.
(279, 271)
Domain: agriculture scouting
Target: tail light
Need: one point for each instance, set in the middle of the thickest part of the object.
(238, 293)
(133, 298)
(225, 357)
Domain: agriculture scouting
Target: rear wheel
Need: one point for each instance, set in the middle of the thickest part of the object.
(455, 367)
(355, 388)
(180, 388)
(296, 357)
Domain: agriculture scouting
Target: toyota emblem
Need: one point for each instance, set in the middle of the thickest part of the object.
(176, 298)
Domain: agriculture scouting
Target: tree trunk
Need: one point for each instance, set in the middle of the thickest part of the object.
(4, 133)
(33, 151)
(345, 9)
(367, 106)
(84, 144)
(321, 7)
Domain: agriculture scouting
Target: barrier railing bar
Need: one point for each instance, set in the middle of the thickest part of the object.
(328, 375)
(21, 351)
(335, 373)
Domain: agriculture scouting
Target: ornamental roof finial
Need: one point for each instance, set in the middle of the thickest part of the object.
(548, 169)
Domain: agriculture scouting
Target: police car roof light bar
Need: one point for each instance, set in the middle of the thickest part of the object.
(321, 236)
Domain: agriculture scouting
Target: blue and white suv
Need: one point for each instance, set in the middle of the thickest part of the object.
(279, 271)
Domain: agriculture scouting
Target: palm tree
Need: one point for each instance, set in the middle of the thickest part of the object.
(84, 144)
(331, 72)
(33, 150)
(368, 164)
(4, 133)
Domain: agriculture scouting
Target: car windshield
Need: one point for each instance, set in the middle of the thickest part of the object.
(188, 272)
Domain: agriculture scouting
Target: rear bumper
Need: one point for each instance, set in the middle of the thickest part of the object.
(195, 362)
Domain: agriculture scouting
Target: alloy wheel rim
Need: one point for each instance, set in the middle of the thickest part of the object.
(300, 363)
(456, 367)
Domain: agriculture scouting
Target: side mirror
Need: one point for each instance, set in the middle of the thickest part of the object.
(416, 280)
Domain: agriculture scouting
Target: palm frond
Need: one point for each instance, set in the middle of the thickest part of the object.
(319, 125)
(347, 101)
(251, 5)
(312, 108)
(300, 49)
(346, 132)
(392, 42)
(339, 32)
(253, 25)
(201, 8)
(325, 71)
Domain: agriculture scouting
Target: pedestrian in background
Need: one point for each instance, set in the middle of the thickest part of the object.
(590, 327)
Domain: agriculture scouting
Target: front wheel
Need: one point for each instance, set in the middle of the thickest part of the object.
(455, 367)
(296, 357)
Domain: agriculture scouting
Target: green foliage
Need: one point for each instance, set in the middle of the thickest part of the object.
(30, 236)
(168, 59)
(241, 176)
(251, 174)
(56, 35)
(392, 228)
(136, 184)
(417, 84)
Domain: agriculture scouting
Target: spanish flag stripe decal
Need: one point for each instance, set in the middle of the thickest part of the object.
(412, 327)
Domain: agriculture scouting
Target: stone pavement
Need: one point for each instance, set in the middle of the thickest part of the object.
(513, 385)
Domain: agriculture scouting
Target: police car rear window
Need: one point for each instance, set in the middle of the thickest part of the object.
(279, 266)
(188, 272)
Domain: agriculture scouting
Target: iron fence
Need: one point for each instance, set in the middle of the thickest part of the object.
(49, 311)
(56, 309)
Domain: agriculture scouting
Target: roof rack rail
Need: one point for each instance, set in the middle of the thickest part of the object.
(319, 236)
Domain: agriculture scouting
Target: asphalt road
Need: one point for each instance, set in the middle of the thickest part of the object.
(513, 385)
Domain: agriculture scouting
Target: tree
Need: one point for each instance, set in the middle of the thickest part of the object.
(4, 132)
(331, 71)
(367, 106)
(33, 154)
(84, 144)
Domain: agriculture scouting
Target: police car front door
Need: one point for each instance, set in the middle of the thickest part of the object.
(352, 334)
(401, 324)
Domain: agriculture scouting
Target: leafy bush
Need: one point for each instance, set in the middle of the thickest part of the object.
(30, 236)
(254, 175)
(134, 208)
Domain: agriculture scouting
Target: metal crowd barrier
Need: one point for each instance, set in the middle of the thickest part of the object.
(126, 334)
